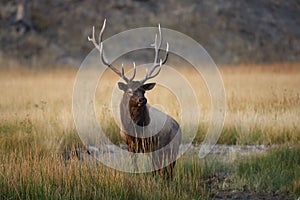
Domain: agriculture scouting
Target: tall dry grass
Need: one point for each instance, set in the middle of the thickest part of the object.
(263, 104)
(36, 126)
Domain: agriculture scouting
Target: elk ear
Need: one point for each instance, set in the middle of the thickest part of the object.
(122, 86)
(148, 86)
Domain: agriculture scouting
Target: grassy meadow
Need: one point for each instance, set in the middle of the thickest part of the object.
(36, 127)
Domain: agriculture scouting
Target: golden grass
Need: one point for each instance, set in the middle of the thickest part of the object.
(36, 125)
(263, 102)
(264, 98)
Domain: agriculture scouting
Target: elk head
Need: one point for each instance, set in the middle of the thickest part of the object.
(134, 90)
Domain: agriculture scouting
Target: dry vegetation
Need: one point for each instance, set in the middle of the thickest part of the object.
(36, 125)
(263, 103)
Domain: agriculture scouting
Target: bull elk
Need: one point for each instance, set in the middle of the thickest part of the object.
(135, 115)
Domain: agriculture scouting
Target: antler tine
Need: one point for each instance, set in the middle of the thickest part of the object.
(160, 37)
(155, 48)
(157, 45)
(93, 39)
(166, 54)
(102, 31)
(134, 72)
(99, 46)
(123, 74)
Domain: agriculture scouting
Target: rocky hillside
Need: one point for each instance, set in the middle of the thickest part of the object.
(231, 31)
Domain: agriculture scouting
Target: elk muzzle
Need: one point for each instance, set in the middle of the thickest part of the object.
(142, 101)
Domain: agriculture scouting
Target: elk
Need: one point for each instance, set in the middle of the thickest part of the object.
(135, 115)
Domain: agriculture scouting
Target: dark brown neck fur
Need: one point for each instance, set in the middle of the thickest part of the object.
(140, 115)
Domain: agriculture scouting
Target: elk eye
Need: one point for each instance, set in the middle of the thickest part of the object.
(130, 92)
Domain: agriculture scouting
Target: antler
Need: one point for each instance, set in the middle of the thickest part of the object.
(99, 46)
(156, 64)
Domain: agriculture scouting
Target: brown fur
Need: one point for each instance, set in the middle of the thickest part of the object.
(134, 114)
(135, 111)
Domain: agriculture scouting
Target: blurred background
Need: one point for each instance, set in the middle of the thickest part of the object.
(257, 45)
(54, 32)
